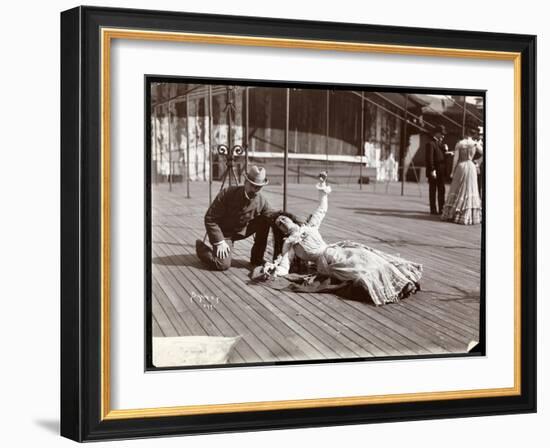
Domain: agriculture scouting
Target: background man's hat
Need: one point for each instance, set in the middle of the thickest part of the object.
(440, 128)
(256, 176)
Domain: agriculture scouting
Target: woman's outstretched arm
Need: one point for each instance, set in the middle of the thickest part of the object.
(318, 215)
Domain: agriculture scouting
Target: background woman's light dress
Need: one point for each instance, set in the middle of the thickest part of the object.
(463, 204)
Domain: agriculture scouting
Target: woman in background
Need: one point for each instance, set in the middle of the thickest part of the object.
(463, 204)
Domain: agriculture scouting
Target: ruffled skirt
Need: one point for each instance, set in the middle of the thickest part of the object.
(386, 278)
(463, 204)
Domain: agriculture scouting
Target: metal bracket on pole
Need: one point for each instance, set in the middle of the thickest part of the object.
(230, 151)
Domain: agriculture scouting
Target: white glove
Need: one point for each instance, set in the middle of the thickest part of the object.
(222, 250)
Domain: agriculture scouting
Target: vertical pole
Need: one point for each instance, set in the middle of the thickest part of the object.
(229, 158)
(285, 172)
(188, 152)
(203, 130)
(327, 128)
(154, 148)
(158, 156)
(161, 149)
(362, 141)
(247, 129)
(404, 145)
(170, 146)
(464, 118)
(210, 140)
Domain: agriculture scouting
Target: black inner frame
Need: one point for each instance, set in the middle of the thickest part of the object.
(81, 391)
(479, 350)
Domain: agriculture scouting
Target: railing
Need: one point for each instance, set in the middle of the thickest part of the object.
(308, 172)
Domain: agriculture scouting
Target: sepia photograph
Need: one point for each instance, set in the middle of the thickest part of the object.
(269, 222)
(293, 223)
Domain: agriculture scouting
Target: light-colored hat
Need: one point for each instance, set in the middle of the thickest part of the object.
(256, 176)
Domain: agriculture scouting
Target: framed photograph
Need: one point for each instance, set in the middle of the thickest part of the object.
(275, 224)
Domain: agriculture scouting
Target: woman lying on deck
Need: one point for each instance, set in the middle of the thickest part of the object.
(344, 267)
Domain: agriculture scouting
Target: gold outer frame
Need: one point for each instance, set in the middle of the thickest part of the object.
(107, 35)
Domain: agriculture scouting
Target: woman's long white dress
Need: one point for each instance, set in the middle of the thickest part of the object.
(463, 204)
(386, 278)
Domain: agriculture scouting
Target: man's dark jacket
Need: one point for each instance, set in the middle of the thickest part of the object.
(435, 156)
(231, 211)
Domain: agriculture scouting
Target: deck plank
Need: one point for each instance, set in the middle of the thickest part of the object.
(213, 321)
(260, 301)
(157, 331)
(238, 316)
(284, 326)
(164, 323)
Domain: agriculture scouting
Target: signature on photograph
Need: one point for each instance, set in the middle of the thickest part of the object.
(204, 300)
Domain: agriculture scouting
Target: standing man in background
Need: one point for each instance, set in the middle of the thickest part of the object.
(435, 169)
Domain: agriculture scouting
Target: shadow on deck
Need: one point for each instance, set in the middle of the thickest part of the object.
(276, 326)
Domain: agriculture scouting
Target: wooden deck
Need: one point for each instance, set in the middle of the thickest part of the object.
(281, 326)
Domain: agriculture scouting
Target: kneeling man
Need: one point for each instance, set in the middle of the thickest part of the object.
(237, 213)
